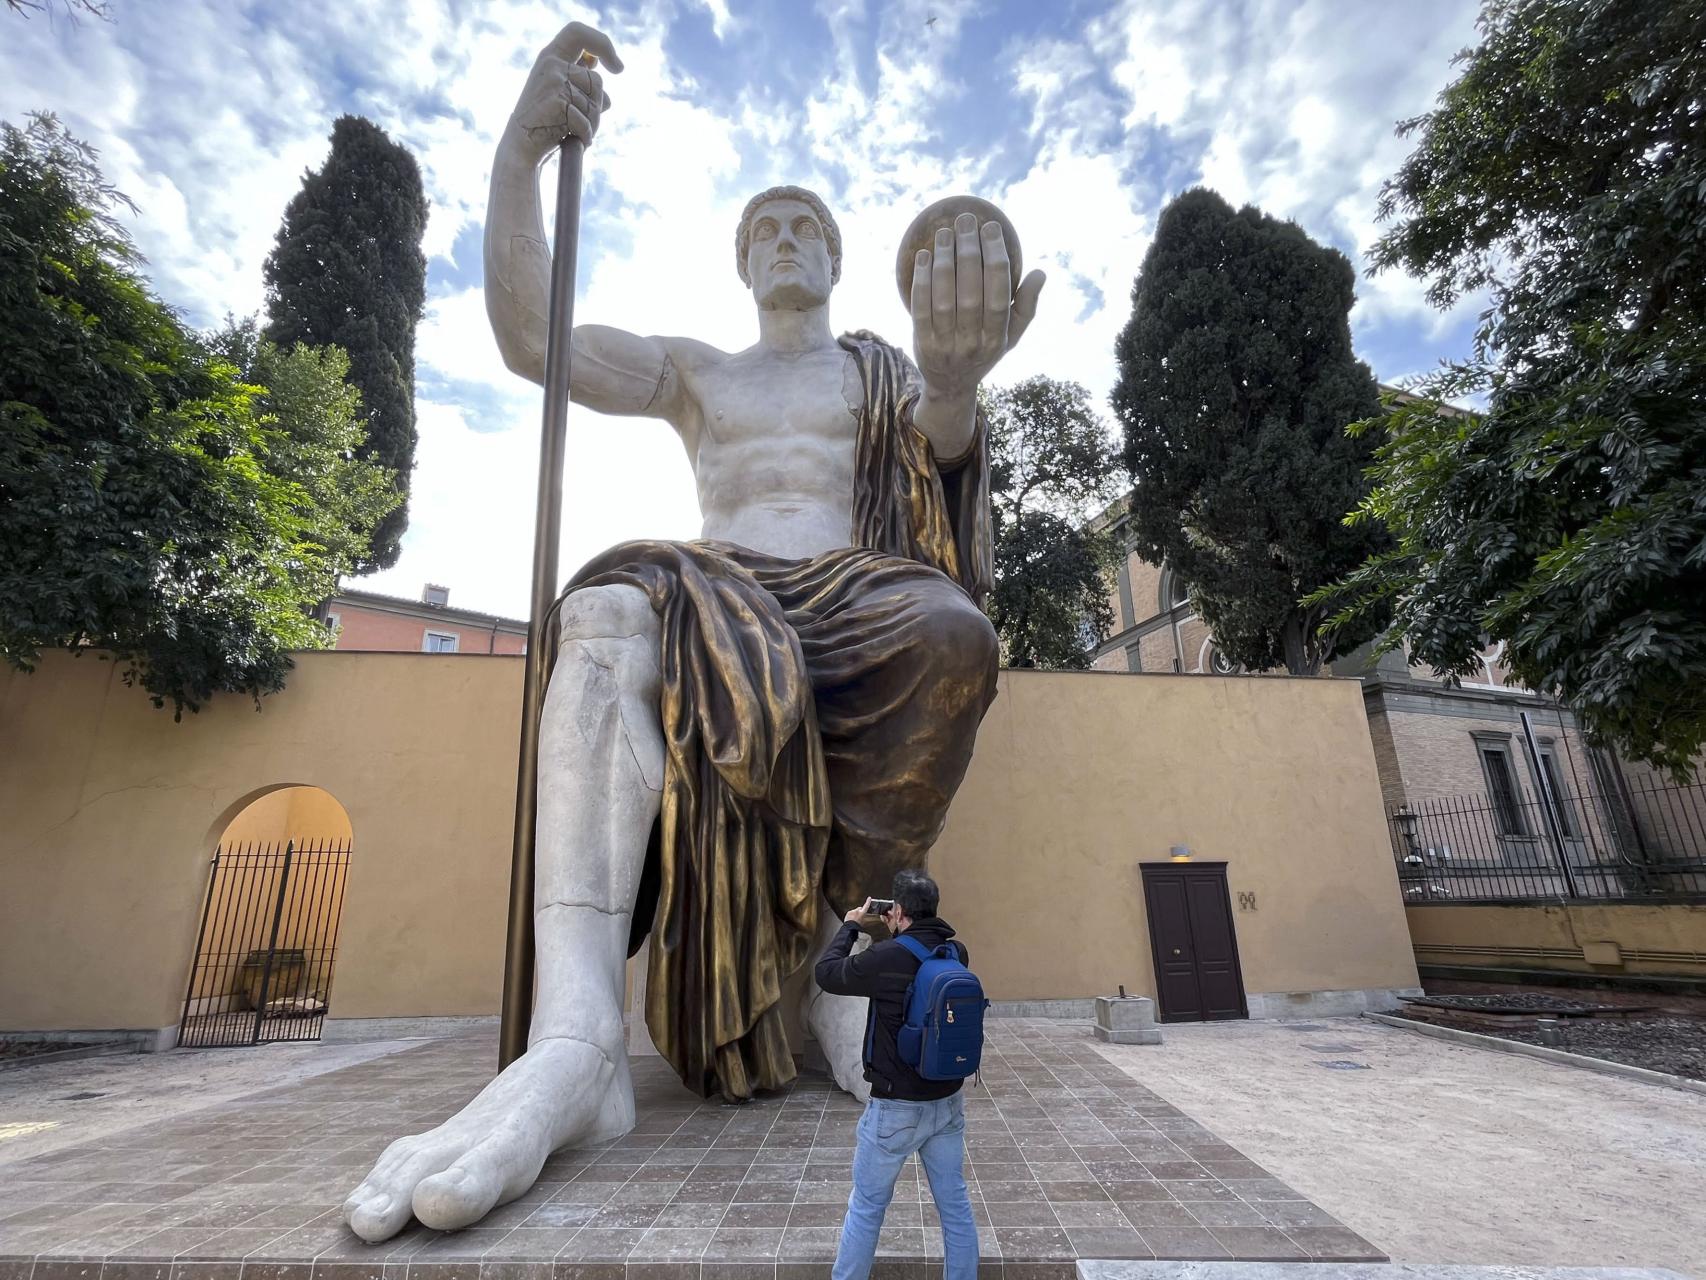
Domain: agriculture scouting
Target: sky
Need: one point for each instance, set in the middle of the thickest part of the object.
(1080, 118)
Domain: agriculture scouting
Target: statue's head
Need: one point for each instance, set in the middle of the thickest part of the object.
(788, 249)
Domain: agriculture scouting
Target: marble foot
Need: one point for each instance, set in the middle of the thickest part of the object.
(560, 1092)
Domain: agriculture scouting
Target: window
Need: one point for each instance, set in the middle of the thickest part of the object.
(1501, 790)
(334, 621)
(439, 642)
(1173, 592)
(1561, 801)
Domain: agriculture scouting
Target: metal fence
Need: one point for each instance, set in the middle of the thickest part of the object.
(269, 934)
(1619, 842)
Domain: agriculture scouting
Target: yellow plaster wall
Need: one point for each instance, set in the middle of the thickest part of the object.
(1649, 938)
(113, 811)
(1080, 777)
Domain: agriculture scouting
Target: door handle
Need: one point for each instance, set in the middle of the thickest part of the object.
(1175, 951)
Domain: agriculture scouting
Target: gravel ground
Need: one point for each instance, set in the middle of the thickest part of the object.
(1673, 1045)
(1669, 1036)
(1540, 1002)
(1669, 1002)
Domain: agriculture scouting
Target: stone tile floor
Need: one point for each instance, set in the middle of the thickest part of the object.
(1067, 1158)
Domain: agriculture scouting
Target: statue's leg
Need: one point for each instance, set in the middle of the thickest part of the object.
(601, 756)
(898, 716)
(837, 1023)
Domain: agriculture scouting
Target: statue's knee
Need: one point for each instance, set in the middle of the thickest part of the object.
(611, 612)
(961, 632)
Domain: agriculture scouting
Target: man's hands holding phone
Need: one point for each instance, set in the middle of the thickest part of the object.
(879, 907)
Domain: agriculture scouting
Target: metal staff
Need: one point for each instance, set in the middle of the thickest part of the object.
(547, 529)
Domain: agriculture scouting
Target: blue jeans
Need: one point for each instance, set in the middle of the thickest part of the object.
(889, 1132)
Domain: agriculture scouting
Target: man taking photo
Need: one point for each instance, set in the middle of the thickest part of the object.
(907, 1113)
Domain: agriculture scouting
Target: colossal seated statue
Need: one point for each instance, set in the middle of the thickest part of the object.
(742, 729)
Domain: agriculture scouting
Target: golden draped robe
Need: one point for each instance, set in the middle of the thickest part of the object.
(818, 716)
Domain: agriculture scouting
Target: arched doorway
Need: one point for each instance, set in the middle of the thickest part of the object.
(269, 923)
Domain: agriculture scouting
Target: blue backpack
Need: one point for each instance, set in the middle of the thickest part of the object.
(942, 1038)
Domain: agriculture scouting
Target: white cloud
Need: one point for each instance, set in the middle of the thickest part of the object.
(208, 115)
(1293, 108)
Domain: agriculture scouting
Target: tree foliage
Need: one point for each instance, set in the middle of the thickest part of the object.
(153, 504)
(1564, 172)
(1051, 467)
(347, 271)
(1236, 383)
(313, 410)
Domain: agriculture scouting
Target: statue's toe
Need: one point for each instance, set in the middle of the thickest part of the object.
(375, 1214)
(466, 1192)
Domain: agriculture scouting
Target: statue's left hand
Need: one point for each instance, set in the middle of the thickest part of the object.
(965, 312)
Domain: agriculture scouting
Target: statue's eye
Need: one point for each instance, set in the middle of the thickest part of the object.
(765, 230)
(806, 229)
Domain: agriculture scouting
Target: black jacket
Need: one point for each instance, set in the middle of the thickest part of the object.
(884, 972)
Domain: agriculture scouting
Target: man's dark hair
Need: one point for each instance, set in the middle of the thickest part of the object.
(916, 894)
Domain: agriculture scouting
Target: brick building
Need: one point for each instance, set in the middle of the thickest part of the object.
(370, 621)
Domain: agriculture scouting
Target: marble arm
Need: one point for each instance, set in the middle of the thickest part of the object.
(613, 371)
(948, 421)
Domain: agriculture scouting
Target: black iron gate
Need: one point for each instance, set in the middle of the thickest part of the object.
(269, 934)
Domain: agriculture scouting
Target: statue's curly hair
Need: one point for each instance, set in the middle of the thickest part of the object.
(831, 232)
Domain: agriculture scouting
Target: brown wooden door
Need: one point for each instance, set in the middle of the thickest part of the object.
(1196, 952)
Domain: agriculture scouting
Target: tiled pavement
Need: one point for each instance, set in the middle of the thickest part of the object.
(1067, 1158)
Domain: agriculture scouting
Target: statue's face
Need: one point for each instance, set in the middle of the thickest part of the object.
(788, 260)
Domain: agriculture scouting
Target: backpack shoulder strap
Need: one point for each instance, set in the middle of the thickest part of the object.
(918, 949)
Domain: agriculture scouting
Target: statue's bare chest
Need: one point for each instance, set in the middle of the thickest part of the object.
(780, 402)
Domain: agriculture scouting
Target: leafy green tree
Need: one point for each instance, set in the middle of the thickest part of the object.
(1052, 466)
(314, 417)
(1564, 172)
(1236, 383)
(150, 506)
(347, 271)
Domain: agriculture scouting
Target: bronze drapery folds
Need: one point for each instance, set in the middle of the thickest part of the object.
(818, 716)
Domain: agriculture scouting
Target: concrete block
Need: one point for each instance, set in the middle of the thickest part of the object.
(1126, 1020)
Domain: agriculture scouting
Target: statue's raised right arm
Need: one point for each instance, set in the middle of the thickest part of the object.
(614, 371)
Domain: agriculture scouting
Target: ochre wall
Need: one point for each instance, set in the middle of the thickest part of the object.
(1081, 777)
(113, 811)
(1668, 938)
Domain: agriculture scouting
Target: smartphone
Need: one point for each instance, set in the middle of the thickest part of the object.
(881, 906)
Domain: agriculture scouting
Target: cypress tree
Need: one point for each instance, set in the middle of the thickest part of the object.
(1236, 383)
(347, 270)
